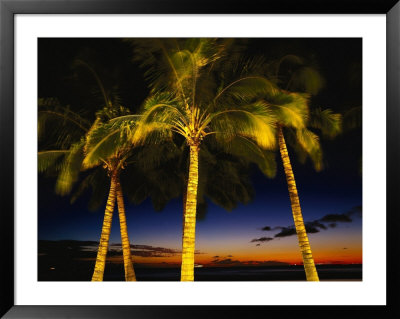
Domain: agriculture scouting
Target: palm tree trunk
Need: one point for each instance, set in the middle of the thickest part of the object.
(308, 261)
(184, 207)
(189, 219)
(126, 247)
(105, 233)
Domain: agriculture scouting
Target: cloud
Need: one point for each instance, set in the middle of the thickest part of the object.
(147, 250)
(88, 249)
(356, 210)
(286, 231)
(343, 218)
(216, 257)
(229, 256)
(228, 261)
(314, 226)
(262, 239)
(311, 228)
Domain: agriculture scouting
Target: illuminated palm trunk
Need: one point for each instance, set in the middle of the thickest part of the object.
(308, 261)
(189, 218)
(126, 247)
(105, 233)
(184, 207)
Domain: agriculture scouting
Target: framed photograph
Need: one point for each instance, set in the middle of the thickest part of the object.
(265, 135)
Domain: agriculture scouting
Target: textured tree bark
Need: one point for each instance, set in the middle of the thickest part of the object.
(184, 208)
(308, 261)
(105, 233)
(189, 219)
(126, 247)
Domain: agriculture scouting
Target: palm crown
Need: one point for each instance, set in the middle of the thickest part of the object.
(296, 120)
(188, 100)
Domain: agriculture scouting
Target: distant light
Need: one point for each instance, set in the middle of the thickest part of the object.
(52, 268)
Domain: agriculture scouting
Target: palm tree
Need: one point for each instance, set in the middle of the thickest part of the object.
(294, 118)
(77, 154)
(187, 100)
(69, 162)
(105, 146)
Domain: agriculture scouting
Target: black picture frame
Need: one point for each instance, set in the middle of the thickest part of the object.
(8, 10)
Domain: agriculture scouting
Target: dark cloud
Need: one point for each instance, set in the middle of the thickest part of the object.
(68, 248)
(88, 249)
(268, 228)
(258, 245)
(229, 256)
(312, 229)
(228, 261)
(286, 231)
(343, 218)
(356, 210)
(216, 257)
(345, 248)
(262, 239)
(314, 226)
(148, 251)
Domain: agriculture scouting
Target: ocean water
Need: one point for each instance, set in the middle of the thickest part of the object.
(82, 271)
(67, 260)
(282, 273)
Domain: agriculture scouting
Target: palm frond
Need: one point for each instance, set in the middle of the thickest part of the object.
(294, 73)
(255, 121)
(70, 169)
(50, 160)
(328, 122)
(81, 63)
(247, 88)
(58, 126)
(105, 142)
(291, 109)
(159, 183)
(98, 182)
(306, 79)
(352, 118)
(247, 150)
(149, 156)
(223, 179)
(161, 115)
(174, 64)
(309, 142)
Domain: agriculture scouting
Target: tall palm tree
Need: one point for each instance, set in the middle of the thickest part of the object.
(82, 154)
(188, 101)
(96, 153)
(296, 119)
(309, 142)
(76, 155)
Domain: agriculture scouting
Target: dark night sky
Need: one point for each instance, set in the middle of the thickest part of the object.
(335, 190)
